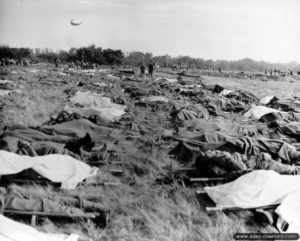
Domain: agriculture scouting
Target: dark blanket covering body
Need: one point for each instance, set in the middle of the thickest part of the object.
(236, 101)
(243, 96)
(21, 199)
(291, 129)
(280, 116)
(221, 163)
(253, 146)
(286, 123)
(54, 139)
(190, 111)
(201, 135)
(289, 105)
(215, 105)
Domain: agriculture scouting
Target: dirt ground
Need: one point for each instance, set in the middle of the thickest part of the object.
(140, 208)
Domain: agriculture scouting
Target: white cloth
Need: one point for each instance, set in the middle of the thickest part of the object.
(225, 92)
(258, 188)
(88, 71)
(63, 74)
(57, 168)
(100, 84)
(11, 230)
(4, 82)
(5, 92)
(112, 77)
(289, 210)
(266, 100)
(258, 111)
(190, 86)
(33, 70)
(103, 70)
(154, 99)
(93, 103)
(261, 188)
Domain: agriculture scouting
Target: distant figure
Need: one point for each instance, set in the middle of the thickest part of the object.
(150, 69)
(266, 71)
(57, 62)
(142, 68)
(220, 70)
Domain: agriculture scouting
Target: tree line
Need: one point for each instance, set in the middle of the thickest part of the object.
(96, 55)
(90, 54)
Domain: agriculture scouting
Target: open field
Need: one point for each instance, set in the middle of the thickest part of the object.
(141, 207)
(284, 88)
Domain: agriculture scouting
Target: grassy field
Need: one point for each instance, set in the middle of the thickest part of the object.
(284, 88)
(140, 208)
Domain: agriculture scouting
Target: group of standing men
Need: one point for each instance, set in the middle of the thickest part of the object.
(150, 68)
(279, 71)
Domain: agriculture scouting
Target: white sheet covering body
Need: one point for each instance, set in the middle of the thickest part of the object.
(93, 103)
(258, 188)
(11, 230)
(266, 100)
(5, 92)
(57, 168)
(154, 99)
(289, 210)
(225, 92)
(258, 111)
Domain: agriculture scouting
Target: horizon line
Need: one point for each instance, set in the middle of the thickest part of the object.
(158, 55)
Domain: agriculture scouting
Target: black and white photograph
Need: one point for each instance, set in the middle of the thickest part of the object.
(149, 120)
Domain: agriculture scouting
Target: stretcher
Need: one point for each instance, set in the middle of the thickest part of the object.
(266, 212)
(35, 215)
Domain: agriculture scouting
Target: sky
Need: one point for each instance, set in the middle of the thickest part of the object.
(210, 29)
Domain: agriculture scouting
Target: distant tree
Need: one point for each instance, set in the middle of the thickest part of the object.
(64, 56)
(134, 58)
(6, 52)
(164, 60)
(37, 51)
(93, 54)
(47, 56)
(147, 58)
(23, 53)
(113, 56)
(98, 57)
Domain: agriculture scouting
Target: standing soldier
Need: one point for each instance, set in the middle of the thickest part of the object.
(142, 68)
(57, 62)
(151, 68)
